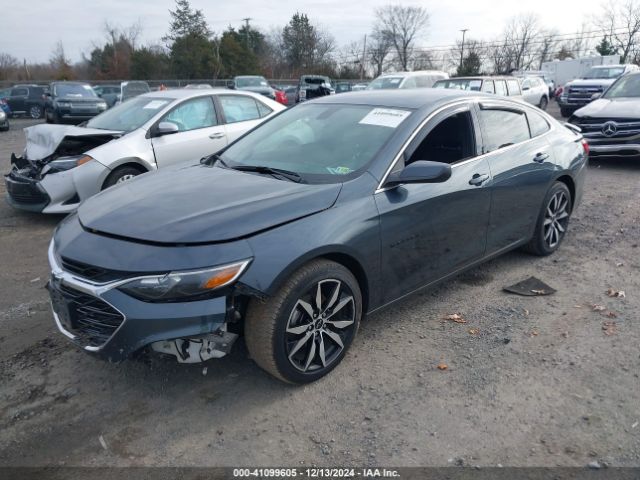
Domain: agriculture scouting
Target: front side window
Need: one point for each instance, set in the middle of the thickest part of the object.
(514, 87)
(503, 128)
(192, 114)
(452, 140)
(322, 143)
(409, 83)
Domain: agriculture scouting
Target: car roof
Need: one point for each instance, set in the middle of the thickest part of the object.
(414, 98)
(414, 73)
(181, 93)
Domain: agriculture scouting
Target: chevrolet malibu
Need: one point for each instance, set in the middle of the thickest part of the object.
(325, 213)
(63, 165)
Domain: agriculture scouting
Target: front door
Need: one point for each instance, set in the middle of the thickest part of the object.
(431, 230)
(199, 133)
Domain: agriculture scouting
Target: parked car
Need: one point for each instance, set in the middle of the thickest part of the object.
(329, 211)
(253, 83)
(72, 102)
(201, 86)
(63, 165)
(313, 86)
(577, 93)
(611, 123)
(417, 79)
(291, 92)
(27, 100)
(503, 86)
(132, 89)
(109, 93)
(4, 121)
(4, 106)
(547, 77)
(535, 91)
(281, 97)
(343, 87)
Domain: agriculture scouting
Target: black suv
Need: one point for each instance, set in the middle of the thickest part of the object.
(313, 86)
(27, 100)
(72, 102)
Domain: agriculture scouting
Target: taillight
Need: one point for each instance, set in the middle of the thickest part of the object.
(585, 147)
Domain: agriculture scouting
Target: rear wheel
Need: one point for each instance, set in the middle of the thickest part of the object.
(303, 331)
(543, 103)
(35, 111)
(552, 222)
(121, 175)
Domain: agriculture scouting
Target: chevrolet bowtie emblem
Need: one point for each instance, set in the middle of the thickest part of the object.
(609, 129)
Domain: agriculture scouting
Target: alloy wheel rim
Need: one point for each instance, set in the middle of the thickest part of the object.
(556, 219)
(320, 324)
(35, 112)
(124, 178)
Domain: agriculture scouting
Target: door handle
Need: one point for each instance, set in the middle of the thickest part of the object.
(478, 179)
(541, 157)
(216, 136)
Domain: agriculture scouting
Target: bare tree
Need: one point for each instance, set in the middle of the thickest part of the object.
(521, 34)
(472, 48)
(378, 48)
(621, 19)
(59, 62)
(547, 46)
(403, 24)
(8, 65)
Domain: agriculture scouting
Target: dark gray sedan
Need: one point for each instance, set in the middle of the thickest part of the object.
(292, 234)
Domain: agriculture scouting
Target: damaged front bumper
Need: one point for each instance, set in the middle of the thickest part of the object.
(112, 325)
(37, 187)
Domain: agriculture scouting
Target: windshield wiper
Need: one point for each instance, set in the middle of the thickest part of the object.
(211, 160)
(289, 175)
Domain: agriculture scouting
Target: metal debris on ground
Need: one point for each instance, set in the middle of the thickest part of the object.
(442, 366)
(598, 308)
(609, 328)
(615, 293)
(455, 317)
(530, 287)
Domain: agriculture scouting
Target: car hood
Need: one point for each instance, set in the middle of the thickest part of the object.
(260, 90)
(201, 204)
(584, 82)
(615, 108)
(45, 140)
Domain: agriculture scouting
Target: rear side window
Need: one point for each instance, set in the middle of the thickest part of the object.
(514, 87)
(424, 81)
(19, 91)
(263, 109)
(193, 114)
(238, 108)
(487, 86)
(503, 128)
(537, 124)
(501, 88)
(409, 83)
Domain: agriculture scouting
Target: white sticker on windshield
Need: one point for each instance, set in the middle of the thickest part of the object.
(385, 117)
(155, 104)
(393, 81)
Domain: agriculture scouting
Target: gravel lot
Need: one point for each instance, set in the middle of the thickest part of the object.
(539, 381)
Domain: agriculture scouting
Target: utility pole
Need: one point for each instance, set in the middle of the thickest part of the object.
(246, 30)
(364, 56)
(464, 31)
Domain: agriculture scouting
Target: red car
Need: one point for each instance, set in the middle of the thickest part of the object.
(281, 97)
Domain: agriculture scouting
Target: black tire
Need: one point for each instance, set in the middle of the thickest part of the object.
(566, 112)
(55, 118)
(35, 112)
(275, 330)
(544, 102)
(121, 174)
(553, 221)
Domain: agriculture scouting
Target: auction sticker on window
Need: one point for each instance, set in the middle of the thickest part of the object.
(155, 104)
(385, 117)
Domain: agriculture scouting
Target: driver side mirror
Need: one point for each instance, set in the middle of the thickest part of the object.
(231, 84)
(421, 171)
(595, 96)
(166, 128)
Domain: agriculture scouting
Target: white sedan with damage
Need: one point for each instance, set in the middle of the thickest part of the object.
(63, 165)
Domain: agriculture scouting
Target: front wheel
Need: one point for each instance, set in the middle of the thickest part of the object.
(121, 175)
(303, 332)
(543, 103)
(35, 112)
(552, 222)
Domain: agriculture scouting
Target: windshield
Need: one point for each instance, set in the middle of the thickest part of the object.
(385, 82)
(74, 90)
(627, 86)
(603, 73)
(130, 115)
(321, 143)
(462, 84)
(242, 82)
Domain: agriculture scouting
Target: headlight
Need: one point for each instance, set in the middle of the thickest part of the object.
(183, 286)
(69, 163)
(64, 104)
(2, 115)
(102, 105)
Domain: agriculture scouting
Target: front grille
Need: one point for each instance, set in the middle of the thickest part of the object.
(623, 128)
(583, 94)
(93, 321)
(97, 274)
(24, 190)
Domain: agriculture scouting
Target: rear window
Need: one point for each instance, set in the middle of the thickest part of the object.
(537, 124)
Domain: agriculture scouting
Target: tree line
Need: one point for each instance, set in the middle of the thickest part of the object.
(191, 50)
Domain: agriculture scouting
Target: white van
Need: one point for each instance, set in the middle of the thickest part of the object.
(417, 79)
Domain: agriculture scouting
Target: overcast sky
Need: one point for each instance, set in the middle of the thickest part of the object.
(30, 28)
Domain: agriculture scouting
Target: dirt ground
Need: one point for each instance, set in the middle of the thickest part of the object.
(544, 381)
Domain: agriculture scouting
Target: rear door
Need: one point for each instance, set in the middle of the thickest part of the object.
(199, 133)
(433, 229)
(521, 167)
(241, 113)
